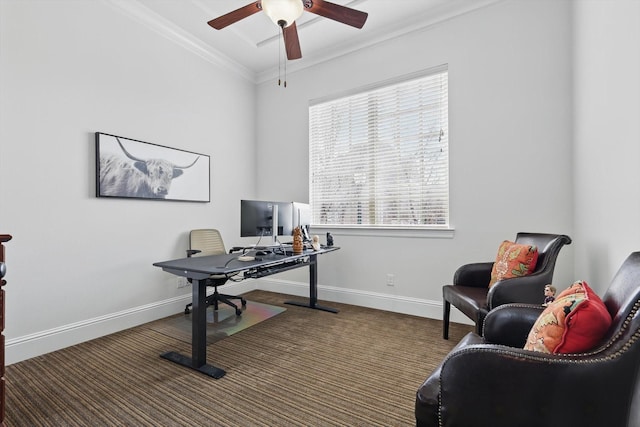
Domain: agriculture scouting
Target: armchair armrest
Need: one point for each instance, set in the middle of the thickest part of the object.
(509, 324)
(192, 252)
(476, 274)
(523, 289)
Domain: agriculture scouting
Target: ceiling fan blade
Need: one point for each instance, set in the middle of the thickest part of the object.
(339, 13)
(291, 42)
(233, 17)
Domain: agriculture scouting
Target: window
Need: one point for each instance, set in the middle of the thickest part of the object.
(380, 157)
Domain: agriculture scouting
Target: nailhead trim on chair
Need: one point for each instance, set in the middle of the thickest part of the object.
(624, 349)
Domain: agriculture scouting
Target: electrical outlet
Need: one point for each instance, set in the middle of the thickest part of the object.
(391, 279)
(181, 282)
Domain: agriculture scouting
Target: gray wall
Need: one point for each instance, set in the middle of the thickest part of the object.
(510, 121)
(607, 137)
(80, 266)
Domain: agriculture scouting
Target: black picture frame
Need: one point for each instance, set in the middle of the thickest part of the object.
(128, 168)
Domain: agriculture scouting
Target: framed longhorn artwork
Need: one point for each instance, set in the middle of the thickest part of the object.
(127, 168)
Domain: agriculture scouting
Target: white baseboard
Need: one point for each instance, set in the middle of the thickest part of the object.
(397, 304)
(28, 346)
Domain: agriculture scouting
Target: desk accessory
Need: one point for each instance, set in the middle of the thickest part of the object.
(298, 245)
(315, 242)
(329, 239)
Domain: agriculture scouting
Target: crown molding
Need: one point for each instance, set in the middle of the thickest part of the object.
(438, 14)
(143, 15)
(441, 13)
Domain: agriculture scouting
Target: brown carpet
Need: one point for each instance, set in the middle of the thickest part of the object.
(360, 367)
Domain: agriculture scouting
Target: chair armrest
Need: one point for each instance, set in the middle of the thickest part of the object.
(510, 324)
(527, 289)
(192, 252)
(476, 274)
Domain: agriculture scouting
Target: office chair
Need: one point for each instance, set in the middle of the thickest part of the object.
(209, 242)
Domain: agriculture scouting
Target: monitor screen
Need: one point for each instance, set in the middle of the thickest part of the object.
(256, 218)
(301, 214)
(302, 219)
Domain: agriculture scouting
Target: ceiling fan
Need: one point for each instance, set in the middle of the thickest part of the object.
(284, 14)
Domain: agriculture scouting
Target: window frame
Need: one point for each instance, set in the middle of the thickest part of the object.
(395, 230)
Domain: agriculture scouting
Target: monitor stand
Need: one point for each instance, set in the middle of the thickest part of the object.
(274, 224)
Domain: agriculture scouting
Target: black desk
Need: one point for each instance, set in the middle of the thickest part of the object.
(200, 268)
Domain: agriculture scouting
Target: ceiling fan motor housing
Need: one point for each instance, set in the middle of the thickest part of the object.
(283, 12)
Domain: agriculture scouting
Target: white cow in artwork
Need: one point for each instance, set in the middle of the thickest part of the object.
(135, 177)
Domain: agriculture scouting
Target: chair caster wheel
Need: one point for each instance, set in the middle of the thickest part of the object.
(244, 302)
(186, 311)
(238, 312)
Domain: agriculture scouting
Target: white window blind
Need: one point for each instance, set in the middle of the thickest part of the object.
(380, 158)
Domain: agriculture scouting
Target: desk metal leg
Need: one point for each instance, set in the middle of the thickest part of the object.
(313, 289)
(198, 359)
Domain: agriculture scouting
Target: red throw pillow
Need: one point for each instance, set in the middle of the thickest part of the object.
(513, 260)
(575, 322)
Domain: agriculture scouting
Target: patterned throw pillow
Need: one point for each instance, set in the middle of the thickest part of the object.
(513, 260)
(575, 322)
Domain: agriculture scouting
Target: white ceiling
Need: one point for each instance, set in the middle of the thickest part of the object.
(252, 46)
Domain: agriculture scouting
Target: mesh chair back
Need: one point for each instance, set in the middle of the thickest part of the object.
(207, 240)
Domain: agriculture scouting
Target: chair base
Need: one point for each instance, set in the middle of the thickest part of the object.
(215, 298)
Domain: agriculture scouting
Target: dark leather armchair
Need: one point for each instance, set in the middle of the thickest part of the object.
(470, 291)
(492, 381)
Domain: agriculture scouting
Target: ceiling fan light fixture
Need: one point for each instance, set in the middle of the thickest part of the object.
(283, 10)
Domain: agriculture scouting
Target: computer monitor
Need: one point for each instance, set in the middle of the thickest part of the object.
(302, 219)
(259, 218)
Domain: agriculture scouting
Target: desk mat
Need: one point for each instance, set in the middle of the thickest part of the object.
(220, 324)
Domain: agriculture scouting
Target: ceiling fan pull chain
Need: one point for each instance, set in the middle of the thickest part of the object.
(279, 54)
(281, 57)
